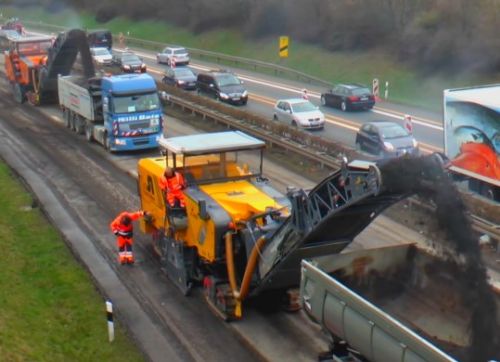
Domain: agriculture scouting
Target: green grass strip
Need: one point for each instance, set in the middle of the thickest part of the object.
(49, 307)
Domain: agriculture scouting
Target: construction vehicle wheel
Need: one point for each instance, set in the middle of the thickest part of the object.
(19, 94)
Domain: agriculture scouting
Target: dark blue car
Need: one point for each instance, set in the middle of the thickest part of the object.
(386, 139)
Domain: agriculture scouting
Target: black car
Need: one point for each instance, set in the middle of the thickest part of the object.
(386, 139)
(129, 62)
(100, 39)
(222, 85)
(348, 97)
(182, 77)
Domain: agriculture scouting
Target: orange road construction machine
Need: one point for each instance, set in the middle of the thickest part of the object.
(33, 63)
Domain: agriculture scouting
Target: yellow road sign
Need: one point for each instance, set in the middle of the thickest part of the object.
(283, 47)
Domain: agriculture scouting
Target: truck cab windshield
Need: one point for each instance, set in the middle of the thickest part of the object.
(136, 103)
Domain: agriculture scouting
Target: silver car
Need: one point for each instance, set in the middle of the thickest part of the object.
(101, 56)
(177, 55)
(299, 112)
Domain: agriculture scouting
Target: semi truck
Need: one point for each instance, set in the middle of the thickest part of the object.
(472, 137)
(121, 112)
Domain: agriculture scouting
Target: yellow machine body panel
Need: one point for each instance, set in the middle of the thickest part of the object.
(239, 199)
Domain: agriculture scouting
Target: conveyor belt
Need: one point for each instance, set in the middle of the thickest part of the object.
(323, 222)
(61, 58)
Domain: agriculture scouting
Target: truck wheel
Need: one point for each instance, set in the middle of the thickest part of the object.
(67, 118)
(73, 122)
(106, 142)
(88, 133)
(79, 125)
(19, 94)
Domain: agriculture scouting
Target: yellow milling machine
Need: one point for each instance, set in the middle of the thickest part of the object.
(238, 236)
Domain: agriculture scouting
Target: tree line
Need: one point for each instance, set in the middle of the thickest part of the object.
(433, 35)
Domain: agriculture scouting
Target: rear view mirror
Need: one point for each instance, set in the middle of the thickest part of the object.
(211, 85)
(290, 111)
(241, 82)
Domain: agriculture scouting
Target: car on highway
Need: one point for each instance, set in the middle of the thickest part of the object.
(299, 112)
(386, 139)
(348, 97)
(173, 55)
(181, 77)
(222, 85)
(129, 62)
(101, 38)
(101, 56)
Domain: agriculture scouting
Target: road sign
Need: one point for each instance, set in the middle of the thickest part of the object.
(284, 46)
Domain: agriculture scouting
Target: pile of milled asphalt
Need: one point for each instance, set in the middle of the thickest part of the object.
(424, 177)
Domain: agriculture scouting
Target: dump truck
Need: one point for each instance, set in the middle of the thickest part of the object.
(472, 137)
(121, 112)
(386, 304)
(32, 64)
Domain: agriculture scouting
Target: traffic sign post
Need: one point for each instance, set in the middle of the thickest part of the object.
(408, 123)
(283, 50)
(376, 89)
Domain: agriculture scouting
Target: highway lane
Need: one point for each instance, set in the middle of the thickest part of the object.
(264, 90)
(341, 126)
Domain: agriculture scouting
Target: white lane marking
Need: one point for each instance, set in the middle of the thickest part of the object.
(288, 89)
(414, 120)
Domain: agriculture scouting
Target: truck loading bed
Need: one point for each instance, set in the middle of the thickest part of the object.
(391, 303)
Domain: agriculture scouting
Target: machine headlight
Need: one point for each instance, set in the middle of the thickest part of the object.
(180, 82)
(415, 143)
(126, 66)
(223, 95)
(143, 65)
(244, 94)
(120, 142)
(389, 146)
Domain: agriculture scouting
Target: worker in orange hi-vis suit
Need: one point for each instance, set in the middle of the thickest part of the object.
(172, 183)
(123, 228)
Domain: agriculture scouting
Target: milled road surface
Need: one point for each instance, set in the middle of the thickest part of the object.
(82, 188)
(83, 192)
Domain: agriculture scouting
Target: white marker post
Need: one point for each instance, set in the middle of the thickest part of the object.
(375, 88)
(386, 90)
(111, 325)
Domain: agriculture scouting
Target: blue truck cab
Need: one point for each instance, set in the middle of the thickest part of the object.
(132, 112)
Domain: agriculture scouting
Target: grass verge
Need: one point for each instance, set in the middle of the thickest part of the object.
(50, 310)
(405, 85)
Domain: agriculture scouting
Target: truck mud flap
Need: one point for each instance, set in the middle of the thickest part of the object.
(177, 264)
